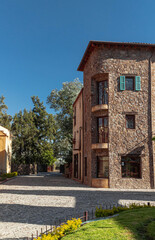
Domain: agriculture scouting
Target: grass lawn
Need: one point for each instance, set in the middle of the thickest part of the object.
(137, 224)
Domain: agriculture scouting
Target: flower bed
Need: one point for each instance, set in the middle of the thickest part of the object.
(62, 230)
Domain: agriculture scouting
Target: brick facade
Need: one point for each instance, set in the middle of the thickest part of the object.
(77, 163)
(109, 62)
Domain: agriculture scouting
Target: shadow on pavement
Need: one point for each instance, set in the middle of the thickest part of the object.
(86, 198)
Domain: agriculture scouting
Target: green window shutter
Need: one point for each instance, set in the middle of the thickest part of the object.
(122, 83)
(137, 83)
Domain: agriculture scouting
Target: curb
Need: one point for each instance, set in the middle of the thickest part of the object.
(7, 179)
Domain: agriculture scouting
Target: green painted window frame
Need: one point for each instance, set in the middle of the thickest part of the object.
(137, 83)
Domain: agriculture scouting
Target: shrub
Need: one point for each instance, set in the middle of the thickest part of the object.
(9, 175)
(100, 212)
(62, 230)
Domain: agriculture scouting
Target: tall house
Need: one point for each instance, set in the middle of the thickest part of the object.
(77, 163)
(118, 115)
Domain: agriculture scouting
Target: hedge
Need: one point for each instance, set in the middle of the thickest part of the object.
(100, 212)
(9, 175)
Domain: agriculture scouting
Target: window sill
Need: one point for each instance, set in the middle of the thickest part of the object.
(131, 177)
(100, 146)
(99, 107)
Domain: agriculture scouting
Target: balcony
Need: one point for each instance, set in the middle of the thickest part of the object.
(102, 134)
(99, 107)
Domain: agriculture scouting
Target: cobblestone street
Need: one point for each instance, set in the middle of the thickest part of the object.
(29, 203)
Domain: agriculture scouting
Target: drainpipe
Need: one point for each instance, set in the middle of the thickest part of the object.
(150, 123)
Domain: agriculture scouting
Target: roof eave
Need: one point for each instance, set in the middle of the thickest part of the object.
(92, 44)
(78, 96)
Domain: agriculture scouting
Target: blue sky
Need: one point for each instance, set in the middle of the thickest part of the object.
(42, 41)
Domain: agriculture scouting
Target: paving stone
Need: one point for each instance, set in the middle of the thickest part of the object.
(29, 203)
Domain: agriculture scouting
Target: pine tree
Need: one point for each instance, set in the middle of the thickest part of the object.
(33, 135)
(23, 136)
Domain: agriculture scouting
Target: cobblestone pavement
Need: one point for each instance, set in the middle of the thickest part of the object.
(29, 203)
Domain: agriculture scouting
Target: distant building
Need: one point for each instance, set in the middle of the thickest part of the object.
(114, 116)
(5, 150)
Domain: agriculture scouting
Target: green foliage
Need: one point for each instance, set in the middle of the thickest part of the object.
(100, 212)
(23, 130)
(62, 230)
(134, 224)
(9, 175)
(5, 119)
(33, 135)
(62, 102)
(151, 230)
(47, 155)
(41, 137)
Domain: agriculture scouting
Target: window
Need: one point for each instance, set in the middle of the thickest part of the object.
(102, 129)
(80, 166)
(130, 121)
(130, 83)
(74, 139)
(85, 126)
(102, 167)
(131, 167)
(85, 166)
(103, 92)
(74, 116)
(76, 165)
(80, 104)
(80, 137)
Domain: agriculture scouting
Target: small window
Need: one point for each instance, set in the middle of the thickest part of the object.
(74, 139)
(80, 134)
(131, 167)
(85, 166)
(76, 165)
(130, 121)
(85, 126)
(129, 83)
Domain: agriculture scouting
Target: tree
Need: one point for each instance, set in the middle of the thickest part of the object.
(45, 129)
(33, 133)
(62, 102)
(24, 132)
(5, 119)
(48, 155)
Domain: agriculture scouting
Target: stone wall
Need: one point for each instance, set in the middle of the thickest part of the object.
(116, 62)
(24, 169)
(152, 66)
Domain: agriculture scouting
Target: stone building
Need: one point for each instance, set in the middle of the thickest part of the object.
(5, 150)
(118, 115)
